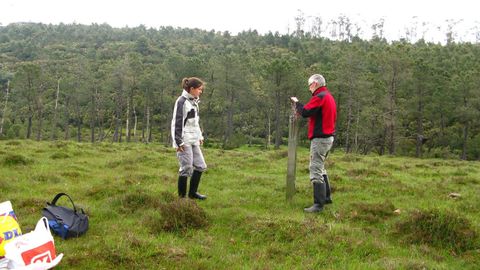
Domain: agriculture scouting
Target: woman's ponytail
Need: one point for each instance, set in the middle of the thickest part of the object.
(188, 83)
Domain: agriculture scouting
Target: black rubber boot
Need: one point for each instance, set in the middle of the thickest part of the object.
(194, 182)
(319, 194)
(182, 186)
(328, 199)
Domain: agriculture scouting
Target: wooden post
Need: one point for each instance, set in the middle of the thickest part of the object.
(292, 152)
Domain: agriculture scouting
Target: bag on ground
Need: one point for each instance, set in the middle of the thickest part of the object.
(33, 250)
(63, 221)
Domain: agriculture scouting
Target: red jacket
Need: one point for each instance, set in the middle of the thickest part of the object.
(321, 111)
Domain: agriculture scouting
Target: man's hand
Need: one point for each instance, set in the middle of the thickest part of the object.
(201, 142)
(294, 99)
(180, 149)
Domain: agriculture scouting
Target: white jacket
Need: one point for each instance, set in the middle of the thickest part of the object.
(186, 121)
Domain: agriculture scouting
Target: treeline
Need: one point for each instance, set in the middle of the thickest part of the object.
(98, 83)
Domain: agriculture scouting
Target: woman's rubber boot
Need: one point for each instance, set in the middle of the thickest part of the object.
(328, 199)
(182, 186)
(194, 182)
(319, 194)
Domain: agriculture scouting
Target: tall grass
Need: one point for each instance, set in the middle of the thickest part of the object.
(388, 212)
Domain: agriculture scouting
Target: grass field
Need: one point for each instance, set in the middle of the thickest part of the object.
(388, 212)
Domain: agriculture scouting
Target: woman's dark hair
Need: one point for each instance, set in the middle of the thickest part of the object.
(188, 83)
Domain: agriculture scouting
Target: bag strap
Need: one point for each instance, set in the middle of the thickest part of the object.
(54, 201)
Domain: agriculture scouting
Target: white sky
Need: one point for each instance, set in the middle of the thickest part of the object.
(264, 16)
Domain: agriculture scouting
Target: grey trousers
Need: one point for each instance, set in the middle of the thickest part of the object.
(191, 159)
(319, 148)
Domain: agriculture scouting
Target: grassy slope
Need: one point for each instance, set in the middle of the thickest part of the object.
(251, 226)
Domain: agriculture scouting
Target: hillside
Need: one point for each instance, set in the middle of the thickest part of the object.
(97, 83)
(136, 222)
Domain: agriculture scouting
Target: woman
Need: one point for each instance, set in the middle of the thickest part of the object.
(187, 137)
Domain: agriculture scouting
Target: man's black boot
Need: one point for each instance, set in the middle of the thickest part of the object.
(182, 186)
(194, 182)
(319, 194)
(328, 199)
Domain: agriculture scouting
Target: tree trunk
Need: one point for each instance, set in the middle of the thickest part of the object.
(420, 138)
(40, 125)
(127, 122)
(381, 151)
(148, 124)
(229, 122)
(135, 124)
(269, 131)
(150, 136)
(55, 118)
(67, 119)
(29, 126)
(93, 116)
(144, 121)
(39, 109)
(79, 121)
(464, 142)
(357, 124)
(101, 126)
(392, 111)
(278, 133)
(4, 108)
(227, 134)
(348, 147)
(118, 113)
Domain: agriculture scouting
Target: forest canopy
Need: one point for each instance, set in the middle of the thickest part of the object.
(98, 83)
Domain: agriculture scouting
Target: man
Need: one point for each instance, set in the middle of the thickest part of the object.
(321, 111)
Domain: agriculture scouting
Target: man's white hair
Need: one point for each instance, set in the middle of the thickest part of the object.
(318, 79)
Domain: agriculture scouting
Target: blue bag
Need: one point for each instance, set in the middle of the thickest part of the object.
(64, 221)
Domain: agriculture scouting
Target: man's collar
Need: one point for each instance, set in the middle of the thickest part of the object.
(320, 89)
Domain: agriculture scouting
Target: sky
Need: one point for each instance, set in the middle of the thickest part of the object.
(261, 15)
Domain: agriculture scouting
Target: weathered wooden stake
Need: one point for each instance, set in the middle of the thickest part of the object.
(292, 152)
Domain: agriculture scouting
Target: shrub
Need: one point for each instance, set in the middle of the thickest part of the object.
(439, 229)
(271, 230)
(235, 141)
(178, 215)
(139, 199)
(350, 158)
(15, 159)
(59, 155)
(372, 212)
(279, 154)
(50, 178)
(60, 144)
(441, 152)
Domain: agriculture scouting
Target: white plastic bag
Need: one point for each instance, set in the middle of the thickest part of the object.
(34, 250)
(9, 229)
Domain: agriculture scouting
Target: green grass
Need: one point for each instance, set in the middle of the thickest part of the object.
(136, 221)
